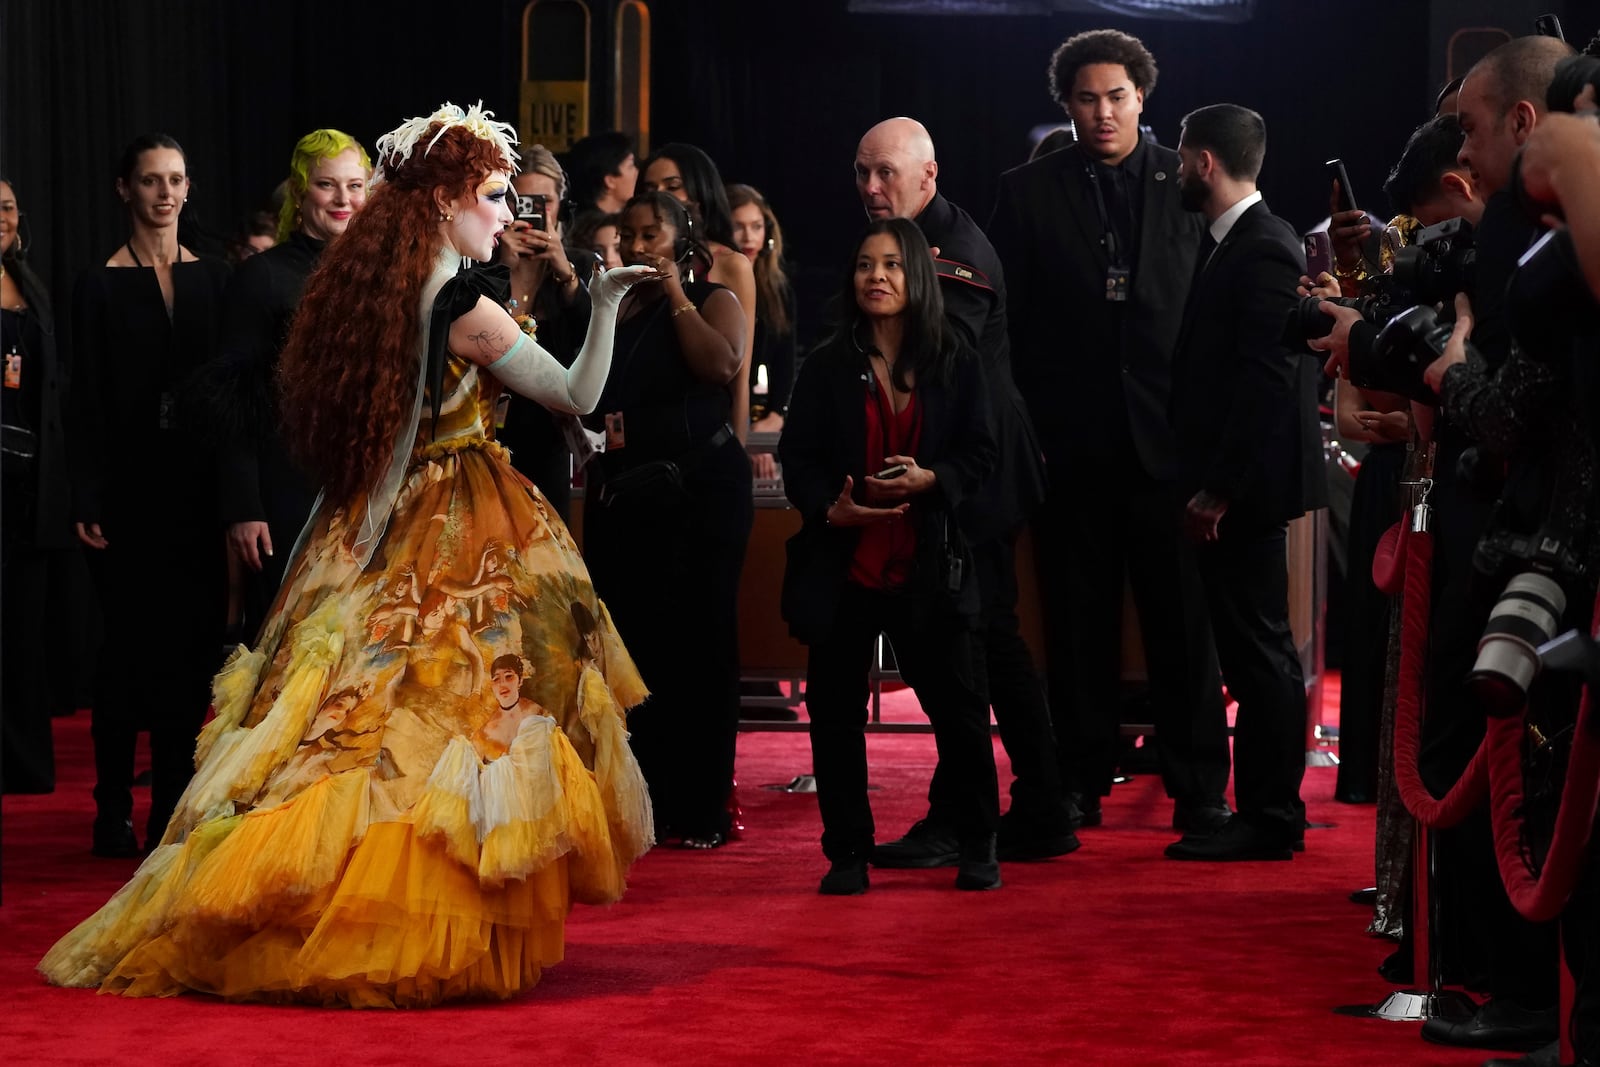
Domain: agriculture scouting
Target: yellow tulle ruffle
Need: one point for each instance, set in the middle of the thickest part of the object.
(465, 895)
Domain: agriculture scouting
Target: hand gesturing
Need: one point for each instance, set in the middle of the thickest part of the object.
(844, 511)
(610, 286)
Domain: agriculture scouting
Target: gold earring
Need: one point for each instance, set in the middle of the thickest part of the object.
(447, 218)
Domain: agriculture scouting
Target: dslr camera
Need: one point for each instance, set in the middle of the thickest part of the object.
(1439, 263)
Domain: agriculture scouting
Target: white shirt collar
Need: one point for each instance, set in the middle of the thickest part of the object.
(1225, 221)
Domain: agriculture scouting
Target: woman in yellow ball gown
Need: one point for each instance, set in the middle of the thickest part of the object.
(353, 834)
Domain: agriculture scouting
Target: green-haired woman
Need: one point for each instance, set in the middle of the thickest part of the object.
(265, 499)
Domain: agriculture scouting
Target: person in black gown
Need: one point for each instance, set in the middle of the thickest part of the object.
(37, 536)
(144, 497)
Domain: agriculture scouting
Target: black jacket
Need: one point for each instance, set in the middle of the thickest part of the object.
(47, 503)
(257, 481)
(1094, 373)
(824, 440)
(137, 459)
(1244, 402)
(973, 285)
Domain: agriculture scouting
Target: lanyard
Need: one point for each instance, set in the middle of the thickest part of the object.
(1108, 233)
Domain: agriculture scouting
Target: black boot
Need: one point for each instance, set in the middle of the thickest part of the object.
(979, 866)
(1024, 838)
(926, 844)
(113, 838)
(845, 878)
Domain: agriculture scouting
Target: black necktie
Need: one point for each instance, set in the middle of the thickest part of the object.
(1208, 245)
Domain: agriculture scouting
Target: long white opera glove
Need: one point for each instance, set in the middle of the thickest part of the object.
(531, 371)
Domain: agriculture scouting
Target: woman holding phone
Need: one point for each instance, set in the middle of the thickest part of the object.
(550, 303)
(887, 435)
(667, 514)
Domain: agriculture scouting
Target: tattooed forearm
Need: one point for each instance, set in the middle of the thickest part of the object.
(491, 343)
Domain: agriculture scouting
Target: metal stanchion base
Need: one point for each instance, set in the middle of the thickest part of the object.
(800, 783)
(1414, 1005)
(805, 783)
(1321, 757)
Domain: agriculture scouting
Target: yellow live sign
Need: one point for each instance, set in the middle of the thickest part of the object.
(554, 113)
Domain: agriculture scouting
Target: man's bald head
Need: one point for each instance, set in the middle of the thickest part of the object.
(1521, 69)
(896, 173)
(1501, 101)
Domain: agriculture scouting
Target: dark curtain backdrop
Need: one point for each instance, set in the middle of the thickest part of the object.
(778, 93)
(237, 82)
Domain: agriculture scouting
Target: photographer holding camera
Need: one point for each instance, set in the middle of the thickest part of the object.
(1502, 410)
(1553, 304)
(548, 299)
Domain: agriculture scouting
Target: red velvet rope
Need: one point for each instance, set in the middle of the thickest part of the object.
(1496, 768)
(1542, 898)
(1473, 785)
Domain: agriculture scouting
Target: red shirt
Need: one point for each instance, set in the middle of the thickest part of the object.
(887, 552)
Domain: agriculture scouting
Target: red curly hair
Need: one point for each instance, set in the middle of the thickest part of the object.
(348, 375)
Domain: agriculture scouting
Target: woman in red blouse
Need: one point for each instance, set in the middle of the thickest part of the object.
(887, 434)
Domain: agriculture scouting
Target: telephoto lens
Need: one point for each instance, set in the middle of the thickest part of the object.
(1527, 615)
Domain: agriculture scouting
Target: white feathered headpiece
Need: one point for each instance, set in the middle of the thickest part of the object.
(396, 146)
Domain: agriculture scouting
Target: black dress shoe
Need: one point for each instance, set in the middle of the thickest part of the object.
(1237, 840)
(924, 845)
(113, 839)
(980, 866)
(1025, 840)
(845, 878)
(1365, 897)
(1546, 1056)
(1087, 810)
(1498, 1023)
(703, 842)
(1200, 820)
(1398, 967)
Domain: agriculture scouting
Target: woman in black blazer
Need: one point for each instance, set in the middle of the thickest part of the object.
(887, 435)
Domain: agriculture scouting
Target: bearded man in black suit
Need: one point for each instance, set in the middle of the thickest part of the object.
(1098, 253)
(1244, 408)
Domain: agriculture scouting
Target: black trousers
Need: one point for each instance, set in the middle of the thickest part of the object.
(667, 566)
(161, 592)
(34, 649)
(939, 660)
(1098, 528)
(1005, 673)
(1246, 579)
(1375, 507)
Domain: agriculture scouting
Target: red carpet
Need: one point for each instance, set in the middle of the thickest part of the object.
(1111, 956)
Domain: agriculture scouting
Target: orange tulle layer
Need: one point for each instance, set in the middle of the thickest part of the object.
(464, 897)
